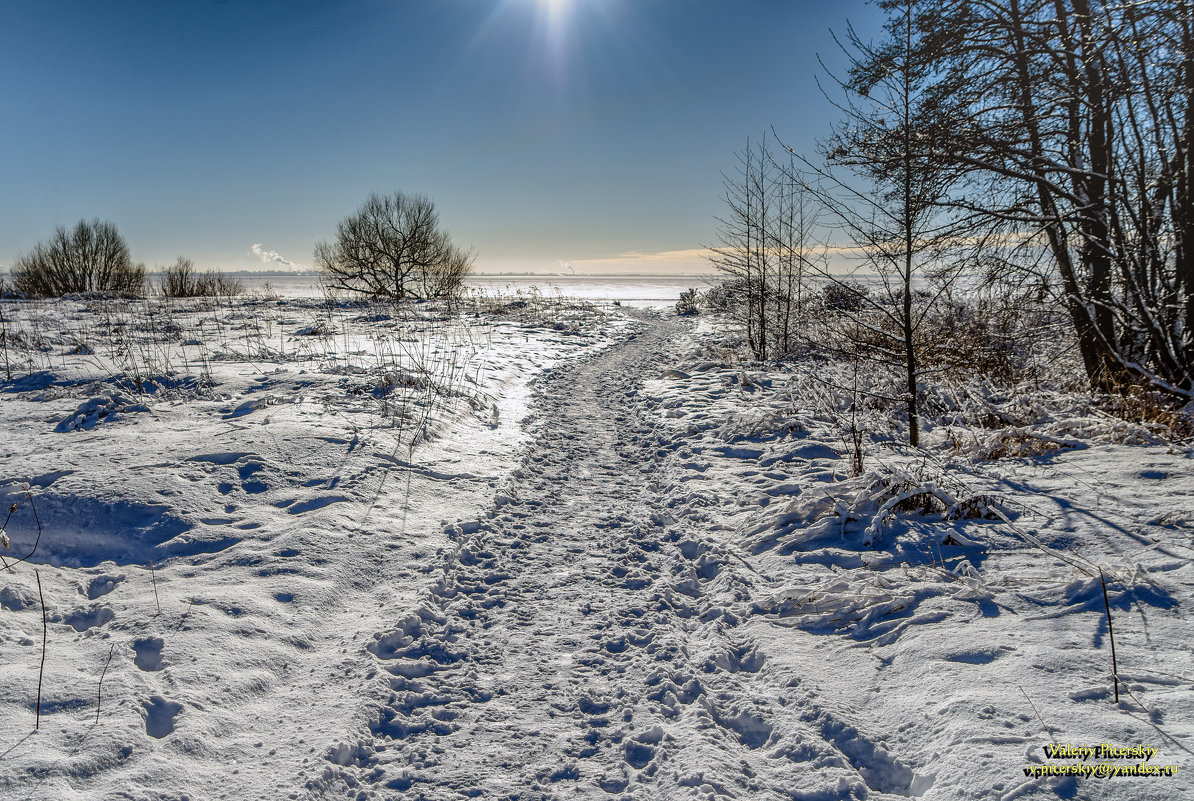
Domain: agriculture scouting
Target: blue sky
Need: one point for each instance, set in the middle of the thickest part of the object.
(546, 131)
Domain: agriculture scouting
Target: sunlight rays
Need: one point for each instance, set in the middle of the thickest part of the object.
(554, 9)
(554, 33)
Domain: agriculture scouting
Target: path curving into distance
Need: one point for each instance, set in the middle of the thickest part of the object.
(585, 638)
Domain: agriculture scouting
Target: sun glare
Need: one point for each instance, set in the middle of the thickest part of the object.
(554, 11)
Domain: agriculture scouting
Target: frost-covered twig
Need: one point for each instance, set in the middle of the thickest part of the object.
(1048, 730)
(153, 575)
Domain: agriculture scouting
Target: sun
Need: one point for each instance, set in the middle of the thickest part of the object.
(554, 10)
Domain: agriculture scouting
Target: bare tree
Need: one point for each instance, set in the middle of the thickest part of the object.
(764, 247)
(394, 248)
(791, 235)
(881, 190)
(741, 251)
(91, 257)
(1073, 123)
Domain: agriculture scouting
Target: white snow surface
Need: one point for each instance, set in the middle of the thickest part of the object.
(320, 551)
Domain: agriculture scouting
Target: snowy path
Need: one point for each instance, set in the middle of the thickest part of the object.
(660, 583)
(570, 648)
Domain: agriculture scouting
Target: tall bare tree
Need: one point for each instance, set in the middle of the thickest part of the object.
(1073, 123)
(764, 245)
(741, 252)
(792, 238)
(882, 192)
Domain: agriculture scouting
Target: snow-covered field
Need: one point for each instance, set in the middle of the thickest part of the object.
(535, 549)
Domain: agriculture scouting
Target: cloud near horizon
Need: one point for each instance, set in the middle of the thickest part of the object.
(697, 261)
(693, 260)
(274, 257)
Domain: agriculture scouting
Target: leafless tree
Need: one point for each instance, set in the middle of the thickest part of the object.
(91, 257)
(741, 253)
(394, 248)
(881, 194)
(1073, 124)
(797, 251)
(764, 245)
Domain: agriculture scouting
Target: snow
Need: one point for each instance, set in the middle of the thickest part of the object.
(552, 550)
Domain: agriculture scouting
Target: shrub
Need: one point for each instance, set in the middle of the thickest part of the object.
(181, 281)
(687, 304)
(216, 283)
(1151, 409)
(393, 248)
(178, 281)
(92, 257)
(844, 296)
(726, 295)
(990, 337)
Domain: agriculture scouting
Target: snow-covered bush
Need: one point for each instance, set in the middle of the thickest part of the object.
(844, 296)
(687, 304)
(725, 296)
(1019, 443)
(1152, 410)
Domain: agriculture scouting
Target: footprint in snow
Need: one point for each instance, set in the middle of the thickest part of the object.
(590, 707)
(248, 483)
(313, 504)
(148, 653)
(159, 716)
(102, 585)
(84, 619)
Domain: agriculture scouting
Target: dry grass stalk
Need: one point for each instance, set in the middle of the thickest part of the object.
(153, 576)
(99, 693)
(1110, 636)
(45, 627)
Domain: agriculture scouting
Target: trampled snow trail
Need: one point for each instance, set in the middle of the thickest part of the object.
(583, 642)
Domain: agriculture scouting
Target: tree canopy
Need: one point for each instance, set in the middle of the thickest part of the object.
(393, 248)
